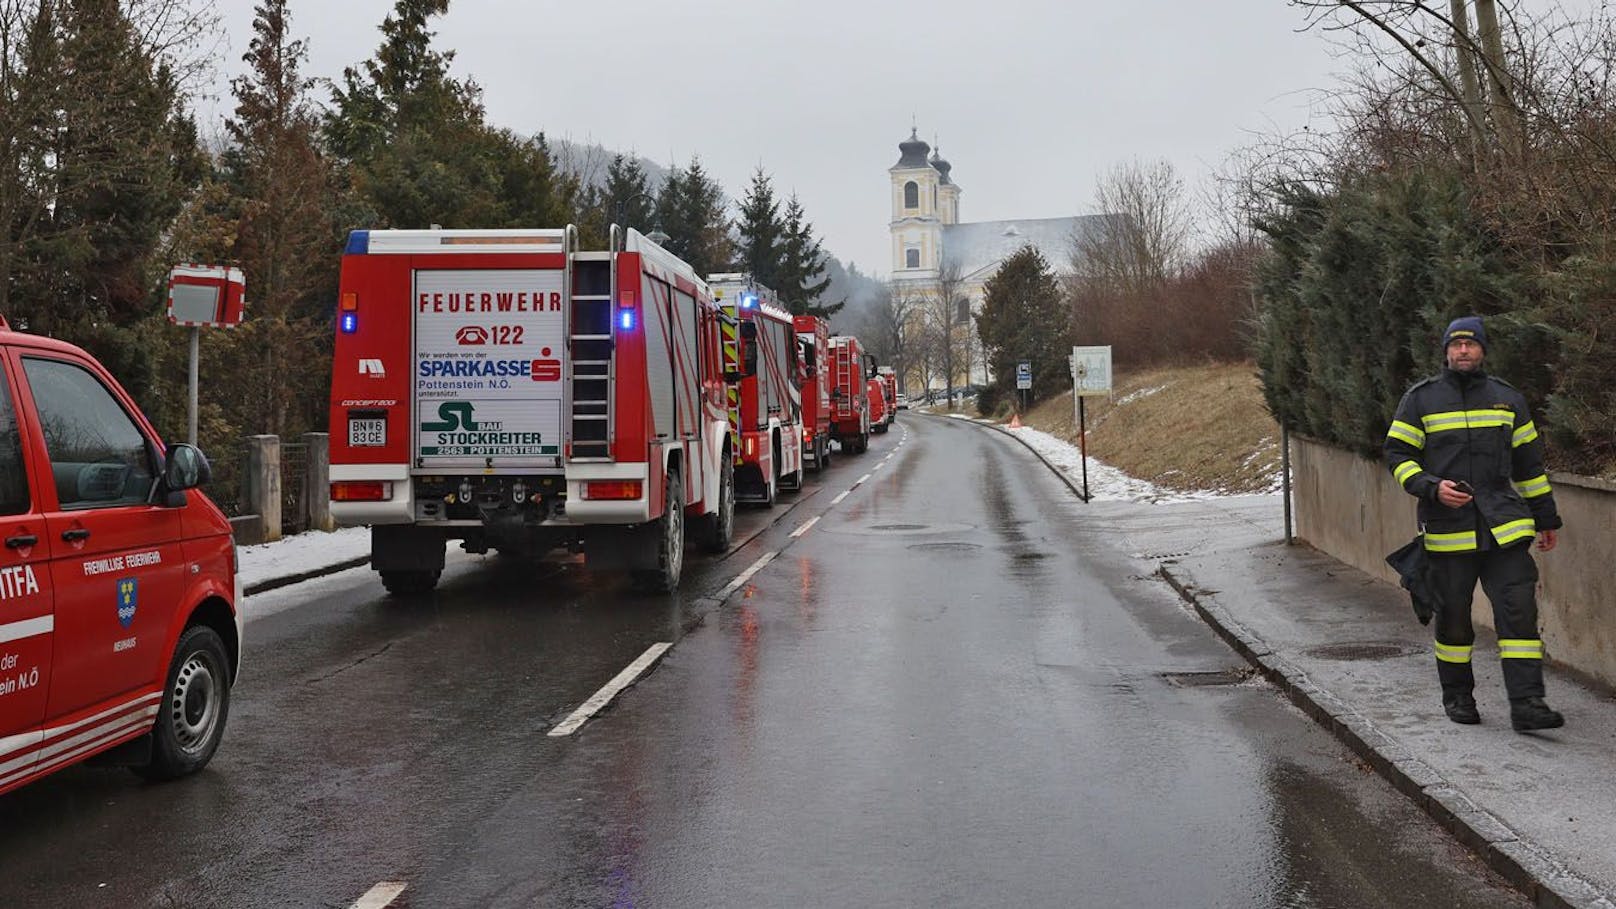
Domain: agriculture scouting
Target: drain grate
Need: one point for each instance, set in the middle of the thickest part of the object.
(1030, 556)
(1352, 652)
(944, 547)
(1210, 679)
(897, 527)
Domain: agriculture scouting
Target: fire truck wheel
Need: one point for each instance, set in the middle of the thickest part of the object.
(721, 523)
(410, 583)
(864, 443)
(670, 540)
(824, 453)
(195, 705)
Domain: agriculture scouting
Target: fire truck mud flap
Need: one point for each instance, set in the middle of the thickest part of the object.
(402, 547)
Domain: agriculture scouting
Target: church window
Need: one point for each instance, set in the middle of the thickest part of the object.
(911, 257)
(911, 195)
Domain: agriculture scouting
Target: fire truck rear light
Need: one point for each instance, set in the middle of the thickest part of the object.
(350, 302)
(612, 490)
(625, 319)
(361, 491)
(350, 322)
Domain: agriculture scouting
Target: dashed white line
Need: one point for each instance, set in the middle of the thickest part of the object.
(604, 696)
(806, 526)
(838, 499)
(861, 480)
(745, 576)
(380, 896)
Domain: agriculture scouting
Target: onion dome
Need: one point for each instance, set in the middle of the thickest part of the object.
(914, 151)
(942, 165)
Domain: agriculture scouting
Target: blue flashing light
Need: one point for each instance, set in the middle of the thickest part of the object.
(350, 322)
(625, 319)
(358, 243)
(748, 301)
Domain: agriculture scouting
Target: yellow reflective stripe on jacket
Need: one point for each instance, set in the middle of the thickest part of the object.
(1468, 419)
(1407, 471)
(1403, 432)
(1514, 531)
(1520, 649)
(1451, 542)
(1537, 486)
(1525, 434)
(1453, 653)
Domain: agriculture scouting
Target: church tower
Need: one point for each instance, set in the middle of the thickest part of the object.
(917, 221)
(948, 192)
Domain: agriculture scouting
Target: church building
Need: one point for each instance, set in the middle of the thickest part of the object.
(929, 242)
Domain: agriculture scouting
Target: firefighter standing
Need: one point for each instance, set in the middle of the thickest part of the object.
(1464, 444)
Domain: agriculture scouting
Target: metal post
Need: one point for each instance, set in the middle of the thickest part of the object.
(1083, 445)
(1285, 479)
(196, 354)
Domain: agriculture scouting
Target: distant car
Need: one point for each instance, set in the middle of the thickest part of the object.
(903, 401)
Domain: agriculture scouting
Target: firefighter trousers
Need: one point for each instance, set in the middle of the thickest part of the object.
(1509, 578)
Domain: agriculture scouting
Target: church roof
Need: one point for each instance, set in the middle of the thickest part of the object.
(979, 246)
(914, 150)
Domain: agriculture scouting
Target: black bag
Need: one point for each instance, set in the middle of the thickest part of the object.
(1413, 566)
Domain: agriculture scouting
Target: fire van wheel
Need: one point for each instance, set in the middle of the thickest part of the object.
(669, 542)
(720, 529)
(195, 705)
(823, 461)
(410, 583)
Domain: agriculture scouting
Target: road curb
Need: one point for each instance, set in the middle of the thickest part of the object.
(1524, 864)
(290, 579)
(1059, 474)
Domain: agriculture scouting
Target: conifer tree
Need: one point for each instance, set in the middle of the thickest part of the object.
(802, 275)
(1024, 317)
(690, 208)
(760, 233)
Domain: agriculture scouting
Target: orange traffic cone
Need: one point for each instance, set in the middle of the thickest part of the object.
(1015, 421)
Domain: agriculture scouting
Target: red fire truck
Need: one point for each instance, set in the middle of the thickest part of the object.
(878, 405)
(813, 341)
(850, 404)
(888, 378)
(765, 406)
(504, 388)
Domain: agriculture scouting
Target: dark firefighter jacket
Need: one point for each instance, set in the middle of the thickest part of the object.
(1477, 429)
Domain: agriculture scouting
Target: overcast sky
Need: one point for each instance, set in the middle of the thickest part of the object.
(1031, 99)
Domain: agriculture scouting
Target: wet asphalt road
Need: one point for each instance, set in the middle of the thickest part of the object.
(946, 692)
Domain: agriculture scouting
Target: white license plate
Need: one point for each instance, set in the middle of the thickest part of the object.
(367, 433)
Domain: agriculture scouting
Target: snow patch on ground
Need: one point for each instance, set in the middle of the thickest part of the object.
(1105, 482)
(302, 552)
(1138, 395)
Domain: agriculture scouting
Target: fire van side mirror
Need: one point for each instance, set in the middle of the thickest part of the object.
(185, 468)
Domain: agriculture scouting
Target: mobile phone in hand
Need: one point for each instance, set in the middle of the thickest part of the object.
(1463, 487)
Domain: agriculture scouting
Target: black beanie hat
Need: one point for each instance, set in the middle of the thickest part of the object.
(1465, 327)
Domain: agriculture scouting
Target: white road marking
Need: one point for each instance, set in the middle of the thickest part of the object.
(838, 499)
(861, 481)
(743, 577)
(604, 696)
(880, 465)
(807, 525)
(380, 896)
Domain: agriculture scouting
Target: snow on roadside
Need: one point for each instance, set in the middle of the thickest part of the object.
(1106, 483)
(302, 552)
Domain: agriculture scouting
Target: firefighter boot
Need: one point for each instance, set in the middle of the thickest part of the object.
(1523, 679)
(1458, 685)
(1528, 714)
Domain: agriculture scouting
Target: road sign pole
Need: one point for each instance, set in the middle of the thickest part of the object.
(1083, 446)
(196, 355)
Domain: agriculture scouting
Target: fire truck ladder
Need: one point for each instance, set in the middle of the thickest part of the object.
(591, 356)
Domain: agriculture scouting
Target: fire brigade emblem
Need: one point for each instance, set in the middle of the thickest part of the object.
(128, 599)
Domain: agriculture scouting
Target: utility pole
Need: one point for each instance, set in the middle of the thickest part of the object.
(1506, 115)
(1470, 84)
